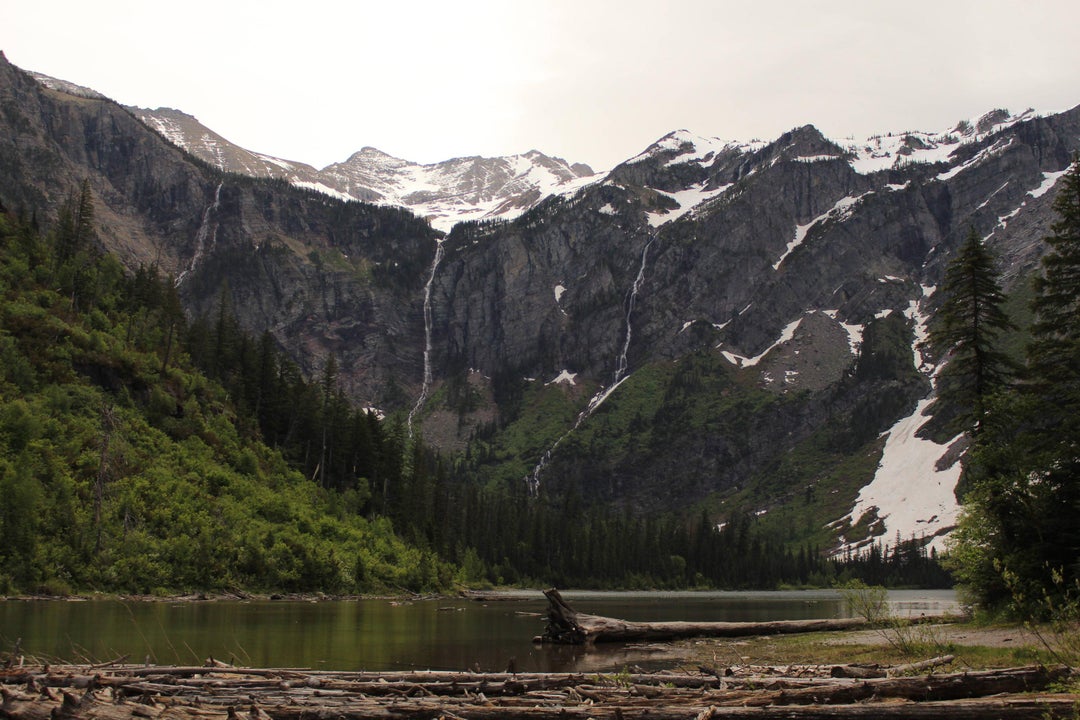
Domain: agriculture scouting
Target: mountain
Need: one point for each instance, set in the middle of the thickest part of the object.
(286, 258)
(713, 327)
(444, 193)
(758, 308)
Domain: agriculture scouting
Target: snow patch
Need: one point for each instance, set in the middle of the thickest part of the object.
(565, 376)
(996, 149)
(854, 331)
(816, 158)
(990, 197)
(840, 211)
(912, 498)
(1049, 180)
(694, 148)
(785, 335)
(324, 189)
(688, 200)
(884, 152)
(920, 320)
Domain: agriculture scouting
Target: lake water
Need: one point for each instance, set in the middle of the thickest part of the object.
(442, 634)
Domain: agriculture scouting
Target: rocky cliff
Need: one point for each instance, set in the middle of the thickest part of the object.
(324, 276)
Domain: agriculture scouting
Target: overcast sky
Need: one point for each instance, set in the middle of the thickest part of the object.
(592, 81)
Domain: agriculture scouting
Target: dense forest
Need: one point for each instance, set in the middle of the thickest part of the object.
(145, 451)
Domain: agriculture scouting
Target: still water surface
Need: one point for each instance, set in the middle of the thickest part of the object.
(444, 634)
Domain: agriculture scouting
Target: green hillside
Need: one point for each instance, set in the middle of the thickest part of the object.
(124, 468)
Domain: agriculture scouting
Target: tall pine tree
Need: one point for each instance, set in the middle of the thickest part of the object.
(965, 331)
(1054, 353)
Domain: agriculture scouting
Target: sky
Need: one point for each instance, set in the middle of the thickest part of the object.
(593, 81)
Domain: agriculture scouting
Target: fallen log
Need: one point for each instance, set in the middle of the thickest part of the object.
(566, 626)
(927, 688)
(876, 671)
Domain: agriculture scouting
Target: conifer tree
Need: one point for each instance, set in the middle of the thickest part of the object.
(1018, 541)
(1054, 354)
(965, 331)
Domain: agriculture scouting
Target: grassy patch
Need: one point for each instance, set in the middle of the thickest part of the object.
(868, 647)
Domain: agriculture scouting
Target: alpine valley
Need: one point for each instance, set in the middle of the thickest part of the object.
(716, 328)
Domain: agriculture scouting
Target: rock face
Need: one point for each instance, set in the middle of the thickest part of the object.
(444, 193)
(322, 275)
(754, 299)
(742, 239)
(780, 257)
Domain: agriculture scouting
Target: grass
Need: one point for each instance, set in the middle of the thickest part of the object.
(867, 647)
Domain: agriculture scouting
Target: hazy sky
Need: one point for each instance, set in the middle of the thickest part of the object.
(592, 81)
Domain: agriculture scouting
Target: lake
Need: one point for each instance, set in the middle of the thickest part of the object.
(441, 634)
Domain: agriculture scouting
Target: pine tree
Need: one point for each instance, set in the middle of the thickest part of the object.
(965, 331)
(1018, 541)
(1054, 354)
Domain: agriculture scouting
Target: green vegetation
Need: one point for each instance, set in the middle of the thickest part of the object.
(967, 329)
(1018, 543)
(123, 467)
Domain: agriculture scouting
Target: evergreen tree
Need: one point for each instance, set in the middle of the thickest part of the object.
(1054, 354)
(965, 332)
(1018, 542)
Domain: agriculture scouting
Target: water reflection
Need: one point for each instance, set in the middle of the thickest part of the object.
(446, 634)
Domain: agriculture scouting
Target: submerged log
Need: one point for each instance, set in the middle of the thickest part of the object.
(568, 627)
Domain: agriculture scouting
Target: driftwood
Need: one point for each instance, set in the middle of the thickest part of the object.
(875, 671)
(567, 626)
(213, 693)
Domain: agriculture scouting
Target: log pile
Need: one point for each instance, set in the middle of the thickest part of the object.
(119, 692)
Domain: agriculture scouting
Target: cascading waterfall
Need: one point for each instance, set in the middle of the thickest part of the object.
(426, 385)
(620, 374)
(206, 230)
(620, 362)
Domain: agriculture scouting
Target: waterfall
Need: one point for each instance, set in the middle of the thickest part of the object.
(620, 362)
(598, 399)
(426, 385)
(206, 230)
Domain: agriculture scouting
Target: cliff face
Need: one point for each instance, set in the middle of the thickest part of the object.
(322, 275)
(727, 306)
(774, 232)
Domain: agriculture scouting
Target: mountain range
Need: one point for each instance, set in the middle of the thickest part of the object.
(727, 327)
(472, 188)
